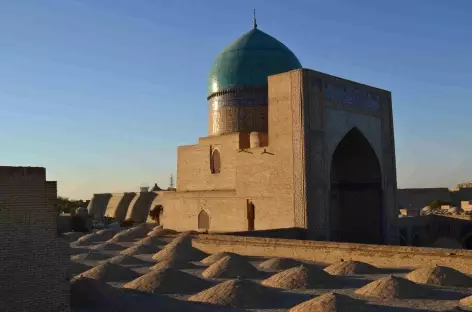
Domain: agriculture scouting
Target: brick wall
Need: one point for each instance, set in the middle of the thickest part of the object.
(33, 259)
(261, 175)
(193, 163)
(330, 252)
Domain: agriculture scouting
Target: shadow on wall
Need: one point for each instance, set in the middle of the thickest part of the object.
(421, 197)
(69, 223)
(118, 206)
(432, 229)
(140, 206)
(287, 233)
(98, 205)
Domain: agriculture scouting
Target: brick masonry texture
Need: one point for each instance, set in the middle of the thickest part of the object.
(330, 252)
(287, 179)
(33, 259)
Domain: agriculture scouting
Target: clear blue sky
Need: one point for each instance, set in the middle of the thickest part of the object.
(101, 92)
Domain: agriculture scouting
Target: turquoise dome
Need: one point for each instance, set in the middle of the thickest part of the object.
(249, 60)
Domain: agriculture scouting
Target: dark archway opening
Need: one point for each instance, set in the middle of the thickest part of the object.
(203, 220)
(156, 214)
(403, 237)
(356, 191)
(467, 242)
(415, 240)
(251, 216)
(78, 224)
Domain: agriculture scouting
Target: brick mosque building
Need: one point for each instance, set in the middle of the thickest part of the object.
(286, 147)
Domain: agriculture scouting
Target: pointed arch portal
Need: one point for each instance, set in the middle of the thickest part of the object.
(356, 191)
(203, 220)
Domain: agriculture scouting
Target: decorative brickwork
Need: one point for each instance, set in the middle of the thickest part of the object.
(238, 119)
(389, 183)
(357, 105)
(316, 168)
(238, 110)
(352, 97)
(298, 136)
(33, 259)
(287, 179)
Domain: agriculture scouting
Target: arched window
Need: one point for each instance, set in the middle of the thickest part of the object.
(203, 220)
(215, 161)
(251, 216)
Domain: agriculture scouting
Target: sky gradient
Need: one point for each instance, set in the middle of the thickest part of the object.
(101, 92)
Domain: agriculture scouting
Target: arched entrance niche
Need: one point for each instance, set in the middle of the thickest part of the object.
(203, 220)
(356, 191)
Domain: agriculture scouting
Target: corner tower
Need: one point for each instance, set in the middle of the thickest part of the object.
(237, 85)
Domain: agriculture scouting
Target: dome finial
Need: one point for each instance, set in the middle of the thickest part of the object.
(254, 17)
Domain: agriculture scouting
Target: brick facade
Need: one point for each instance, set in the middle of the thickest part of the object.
(287, 179)
(287, 176)
(33, 259)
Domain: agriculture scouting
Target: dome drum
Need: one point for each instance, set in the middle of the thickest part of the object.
(238, 110)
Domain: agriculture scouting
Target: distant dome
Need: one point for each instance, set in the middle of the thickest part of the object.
(248, 61)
